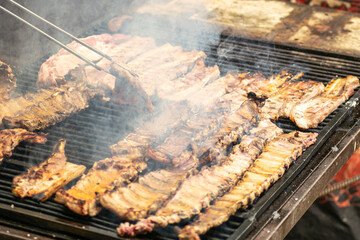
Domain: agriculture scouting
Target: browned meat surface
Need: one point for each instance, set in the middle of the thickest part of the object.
(10, 138)
(83, 198)
(53, 71)
(152, 132)
(7, 81)
(160, 70)
(44, 108)
(308, 114)
(281, 103)
(184, 87)
(206, 130)
(139, 199)
(264, 87)
(41, 181)
(276, 157)
(197, 191)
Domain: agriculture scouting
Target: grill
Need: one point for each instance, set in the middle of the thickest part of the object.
(90, 133)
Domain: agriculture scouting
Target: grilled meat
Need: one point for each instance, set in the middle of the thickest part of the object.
(53, 71)
(212, 92)
(264, 87)
(211, 126)
(10, 138)
(39, 110)
(190, 84)
(139, 199)
(268, 168)
(308, 114)
(199, 190)
(152, 132)
(41, 181)
(7, 81)
(83, 198)
(281, 103)
(160, 69)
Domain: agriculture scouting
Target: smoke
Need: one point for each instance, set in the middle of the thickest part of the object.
(21, 45)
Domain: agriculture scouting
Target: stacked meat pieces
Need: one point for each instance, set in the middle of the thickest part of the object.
(161, 69)
(216, 139)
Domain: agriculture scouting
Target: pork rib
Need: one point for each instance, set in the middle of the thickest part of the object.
(83, 198)
(41, 181)
(10, 138)
(139, 199)
(310, 113)
(264, 87)
(277, 156)
(39, 110)
(281, 103)
(199, 190)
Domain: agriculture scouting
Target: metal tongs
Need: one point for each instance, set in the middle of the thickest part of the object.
(119, 71)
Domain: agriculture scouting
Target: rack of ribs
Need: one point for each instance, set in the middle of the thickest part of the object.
(197, 191)
(46, 107)
(276, 157)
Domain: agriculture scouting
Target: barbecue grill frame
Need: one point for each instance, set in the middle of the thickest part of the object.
(351, 136)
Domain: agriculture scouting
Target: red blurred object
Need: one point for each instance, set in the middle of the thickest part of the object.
(347, 196)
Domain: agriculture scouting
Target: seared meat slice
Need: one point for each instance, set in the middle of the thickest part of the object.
(10, 138)
(190, 84)
(139, 199)
(212, 92)
(39, 110)
(264, 87)
(53, 71)
(199, 190)
(308, 114)
(207, 130)
(83, 198)
(7, 81)
(281, 103)
(152, 132)
(277, 156)
(41, 181)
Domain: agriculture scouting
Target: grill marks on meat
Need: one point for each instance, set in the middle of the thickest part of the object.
(139, 199)
(10, 138)
(276, 157)
(199, 190)
(42, 109)
(310, 113)
(83, 198)
(289, 95)
(41, 181)
(7, 81)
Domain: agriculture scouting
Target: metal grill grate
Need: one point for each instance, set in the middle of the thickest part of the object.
(90, 133)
